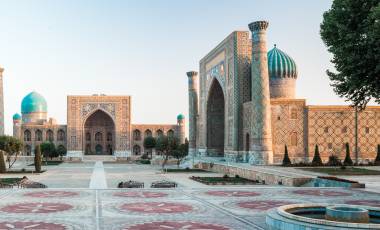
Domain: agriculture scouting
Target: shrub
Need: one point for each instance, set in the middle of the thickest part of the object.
(3, 168)
(144, 161)
(377, 160)
(225, 176)
(286, 161)
(237, 176)
(334, 161)
(347, 159)
(37, 158)
(317, 161)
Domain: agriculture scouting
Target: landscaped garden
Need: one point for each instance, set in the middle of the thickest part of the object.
(186, 170)
(224, 180)
(343, 171)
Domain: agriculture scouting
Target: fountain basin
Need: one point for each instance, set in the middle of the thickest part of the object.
(347, 214)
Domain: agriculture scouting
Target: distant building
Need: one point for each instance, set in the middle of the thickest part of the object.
(1, 103)
(243, 107)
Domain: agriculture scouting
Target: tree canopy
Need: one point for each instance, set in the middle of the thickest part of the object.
(48, 150)
(12, 147)
(351, 31)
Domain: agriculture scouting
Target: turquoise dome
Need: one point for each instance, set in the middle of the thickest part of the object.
(180, 117)
(16, 116)
(281, 65)
(33, 102)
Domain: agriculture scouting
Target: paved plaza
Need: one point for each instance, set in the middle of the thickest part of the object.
(84, 196)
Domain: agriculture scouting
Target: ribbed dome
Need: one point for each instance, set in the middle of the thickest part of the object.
(180, 117)
(16, 117)
(281, 65)
(33, 102)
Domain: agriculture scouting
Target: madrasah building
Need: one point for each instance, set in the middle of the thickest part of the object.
(243, 106)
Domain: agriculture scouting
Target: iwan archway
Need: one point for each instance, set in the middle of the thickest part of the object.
(99, 134)
(215, 120)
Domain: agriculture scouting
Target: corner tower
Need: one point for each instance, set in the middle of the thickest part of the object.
(193, 110)
(1, 103)
(261, 118)
(181, 128)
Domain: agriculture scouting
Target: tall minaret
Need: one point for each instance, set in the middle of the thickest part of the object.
(181, 128)
(193, 110)
(1, 103)
(261, 117)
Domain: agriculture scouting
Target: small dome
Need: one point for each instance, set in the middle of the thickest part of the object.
(16, 116)
(281, 65)
(33, 102)
(180, 117)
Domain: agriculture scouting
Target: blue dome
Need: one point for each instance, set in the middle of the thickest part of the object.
(281, 65)
(180, 117)
(33, 102)
(16, 116)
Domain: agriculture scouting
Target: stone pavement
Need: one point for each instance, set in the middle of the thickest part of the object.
(190, 206)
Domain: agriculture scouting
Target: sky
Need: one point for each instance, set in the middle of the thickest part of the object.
(144, 49)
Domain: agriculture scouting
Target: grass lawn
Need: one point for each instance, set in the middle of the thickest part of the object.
(185, 170)
(222, 180)
(49, 163)
(337, 171)
(11, 180)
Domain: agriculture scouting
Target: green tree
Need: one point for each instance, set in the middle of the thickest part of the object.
(351, 31)
(317, 161)
(37, 159)
(377, 160)
(166, 145)
(286, 161)
(149, 144)
(61, 150)
(347, 159)
(48, 150)
(181, 152)
(3, 167)
(12, 147)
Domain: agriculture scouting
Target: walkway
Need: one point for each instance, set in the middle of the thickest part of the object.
(98, 177)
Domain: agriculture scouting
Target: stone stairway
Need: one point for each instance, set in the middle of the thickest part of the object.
(95, 158)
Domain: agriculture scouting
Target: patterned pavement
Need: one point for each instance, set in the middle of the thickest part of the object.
(141, 209)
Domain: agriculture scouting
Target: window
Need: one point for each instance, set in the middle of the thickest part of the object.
(27, 135)
(109, 136)
(98, 137)
(61, 135)
(293, 139)
(170, 133)
(137, 135)
(38, 135)
(136, 150)
(159, 133)
(148, 133)
(27, 150)
(88, 137)
(247, 142)
(293, 113)
(49, 135)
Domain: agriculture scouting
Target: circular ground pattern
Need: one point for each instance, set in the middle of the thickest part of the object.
(371, 203)
(325, 193)
(139, 194)
(232, 193)
(262, 205)
(30, 225)
(40, 207)
(167, 225)
(156, 207)
(51, 194)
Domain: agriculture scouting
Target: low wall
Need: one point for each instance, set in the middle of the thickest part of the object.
(254, 174)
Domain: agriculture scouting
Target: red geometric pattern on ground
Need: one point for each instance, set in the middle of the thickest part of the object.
(232, 193)
(29, 225)
(138, 194)
(51, 194)
(262, 205)
(176, 225)
(317, 192)
(36, 207)
(156, 207)
(373, 203)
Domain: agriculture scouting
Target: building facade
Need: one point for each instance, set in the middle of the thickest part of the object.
(243, 106)
(96, 125)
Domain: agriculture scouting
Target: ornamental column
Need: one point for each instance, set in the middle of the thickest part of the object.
(193, 111)
(1, 103)
(262, 152)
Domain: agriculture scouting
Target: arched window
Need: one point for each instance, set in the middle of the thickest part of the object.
(136, 150)
(148, 133)
(88, 149)
(61, 135)
(293, 139)
(136, 135)
(98, 136)
(109, 136)
(27, 135)
(109, 149)
(88, 137)
(247, 142)
(293, 113)
(159, 133)
(49, 135)
(38, 135)
(170, 133)
(28, 150)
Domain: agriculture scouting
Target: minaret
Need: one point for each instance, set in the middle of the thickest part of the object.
(261, 118)
(181, 128)
(1, 103)
(17, 125)
(193, 110)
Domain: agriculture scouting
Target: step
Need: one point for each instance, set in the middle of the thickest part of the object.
(94, 158)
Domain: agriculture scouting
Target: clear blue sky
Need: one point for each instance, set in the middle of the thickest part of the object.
(144, 48)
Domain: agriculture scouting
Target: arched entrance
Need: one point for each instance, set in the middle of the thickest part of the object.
(99, 130)
(215, 120)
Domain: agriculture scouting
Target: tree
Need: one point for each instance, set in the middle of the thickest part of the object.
(3, 167)
(351, 31)
(48, 150)
(166, 145)
(61, 150)
(181, 152)
(317, 161)
(377, 160)
(149, 144)
(12, 147)
(286, 161)
(37, 158)
(347, 159)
